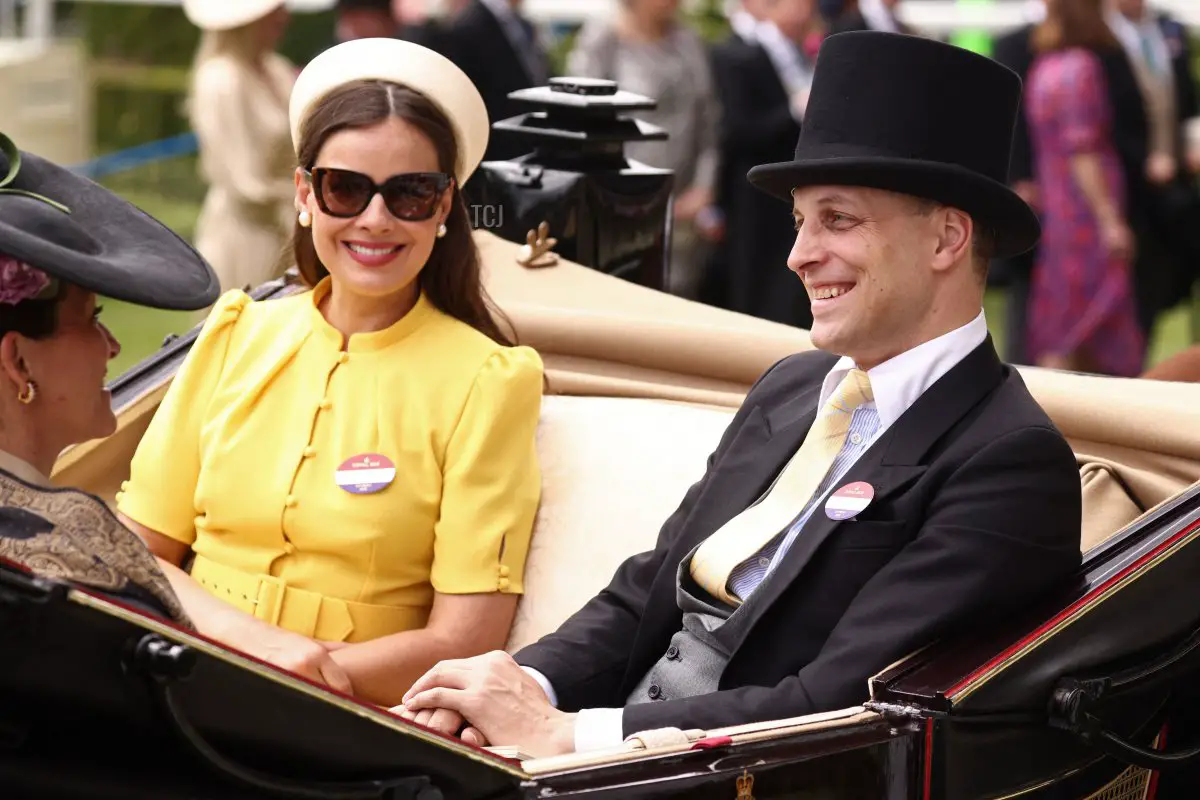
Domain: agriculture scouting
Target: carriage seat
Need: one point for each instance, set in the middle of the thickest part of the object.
(614, 469)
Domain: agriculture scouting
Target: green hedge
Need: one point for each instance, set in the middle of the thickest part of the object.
(141, 59)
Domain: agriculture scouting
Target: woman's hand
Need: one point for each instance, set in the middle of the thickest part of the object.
(289, 651)
(1118, 239)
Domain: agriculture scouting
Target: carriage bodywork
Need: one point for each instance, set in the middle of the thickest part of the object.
(1081, 697)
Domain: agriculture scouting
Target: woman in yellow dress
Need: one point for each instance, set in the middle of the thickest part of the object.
(353, 469)
(238, 107)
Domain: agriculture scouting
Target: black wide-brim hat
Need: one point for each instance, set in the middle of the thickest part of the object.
(915, 116)
(79, 232)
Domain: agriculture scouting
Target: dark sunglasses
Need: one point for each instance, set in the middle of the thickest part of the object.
(412, 196)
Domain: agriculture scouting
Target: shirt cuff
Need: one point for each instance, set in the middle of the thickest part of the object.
(544, 682)
(599, 728)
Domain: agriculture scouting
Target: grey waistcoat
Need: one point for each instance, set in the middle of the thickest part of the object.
(694, 662)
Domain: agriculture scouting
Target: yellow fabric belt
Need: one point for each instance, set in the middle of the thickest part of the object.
(311, 614)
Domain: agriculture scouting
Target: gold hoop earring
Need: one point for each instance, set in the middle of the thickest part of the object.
(305, 219)
(441, 230)
(28, 394)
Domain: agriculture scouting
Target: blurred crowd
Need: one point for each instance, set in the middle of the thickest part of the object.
(1108, 151)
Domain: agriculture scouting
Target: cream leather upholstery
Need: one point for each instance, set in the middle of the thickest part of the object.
(613, 470)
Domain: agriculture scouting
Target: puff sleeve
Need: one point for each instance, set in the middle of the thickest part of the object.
(1080, 102)
(491, 483)
(166, 467)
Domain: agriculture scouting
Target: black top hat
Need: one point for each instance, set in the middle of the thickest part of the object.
(81, 233)
(912, 115)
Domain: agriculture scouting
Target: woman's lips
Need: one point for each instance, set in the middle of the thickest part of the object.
(372, 254)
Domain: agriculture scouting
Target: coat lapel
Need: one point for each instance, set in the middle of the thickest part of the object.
(895, 460)
(755, 458)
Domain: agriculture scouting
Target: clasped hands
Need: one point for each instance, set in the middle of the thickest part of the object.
(489, 700)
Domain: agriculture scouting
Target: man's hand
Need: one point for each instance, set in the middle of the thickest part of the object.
(1193, 159)
(1161, 168)
(502, 703)
(691, 202)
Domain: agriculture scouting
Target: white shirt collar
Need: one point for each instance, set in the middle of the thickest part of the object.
(744, 24)
(22, 469)
(899, 381)
(793, 69)
(500, 8)
(877, 16)
(1132, 32)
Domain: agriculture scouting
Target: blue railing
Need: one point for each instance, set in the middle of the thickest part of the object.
(138, 156)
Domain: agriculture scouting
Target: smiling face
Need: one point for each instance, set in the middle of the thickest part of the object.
(883, 272)
(373, 253)
(69, 368)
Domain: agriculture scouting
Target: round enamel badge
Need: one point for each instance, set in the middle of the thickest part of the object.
(849, 501)
(366, 473)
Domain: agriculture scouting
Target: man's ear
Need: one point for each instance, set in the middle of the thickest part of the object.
(12, 360)
(955, 230)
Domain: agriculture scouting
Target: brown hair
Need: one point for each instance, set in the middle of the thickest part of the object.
(1073, 23)
(451, 278)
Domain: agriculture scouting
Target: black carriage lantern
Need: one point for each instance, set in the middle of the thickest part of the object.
(606, 211)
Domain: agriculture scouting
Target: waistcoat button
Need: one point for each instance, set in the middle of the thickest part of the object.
(673, 653)
(654, 692)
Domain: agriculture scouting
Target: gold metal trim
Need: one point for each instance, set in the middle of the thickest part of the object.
(536, 252)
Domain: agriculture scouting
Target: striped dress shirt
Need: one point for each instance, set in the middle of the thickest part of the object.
(864, 428)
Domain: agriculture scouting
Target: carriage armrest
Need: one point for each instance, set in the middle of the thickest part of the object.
(672, 740)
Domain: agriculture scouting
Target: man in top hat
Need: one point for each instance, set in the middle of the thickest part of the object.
(499, 48)
(897, 486)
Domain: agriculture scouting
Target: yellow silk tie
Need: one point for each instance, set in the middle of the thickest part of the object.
(747, 533)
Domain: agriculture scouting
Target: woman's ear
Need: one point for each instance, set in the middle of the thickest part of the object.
(448, 198)
(303, 191)
(12, 360)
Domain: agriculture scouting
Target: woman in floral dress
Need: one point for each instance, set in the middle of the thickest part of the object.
(1082, 314)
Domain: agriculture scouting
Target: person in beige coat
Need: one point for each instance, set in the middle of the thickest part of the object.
(238, 107)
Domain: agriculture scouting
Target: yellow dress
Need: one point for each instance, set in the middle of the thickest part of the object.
(332, 493)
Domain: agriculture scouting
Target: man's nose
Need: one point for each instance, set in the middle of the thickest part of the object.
(806, 250)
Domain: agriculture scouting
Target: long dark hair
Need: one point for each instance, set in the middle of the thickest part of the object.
(451, 278)
(1074, 23)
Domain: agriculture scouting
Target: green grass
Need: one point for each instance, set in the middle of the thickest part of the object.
(141, 331)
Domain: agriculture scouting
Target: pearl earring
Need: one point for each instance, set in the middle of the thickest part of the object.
(305, 219)
(441, 231)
